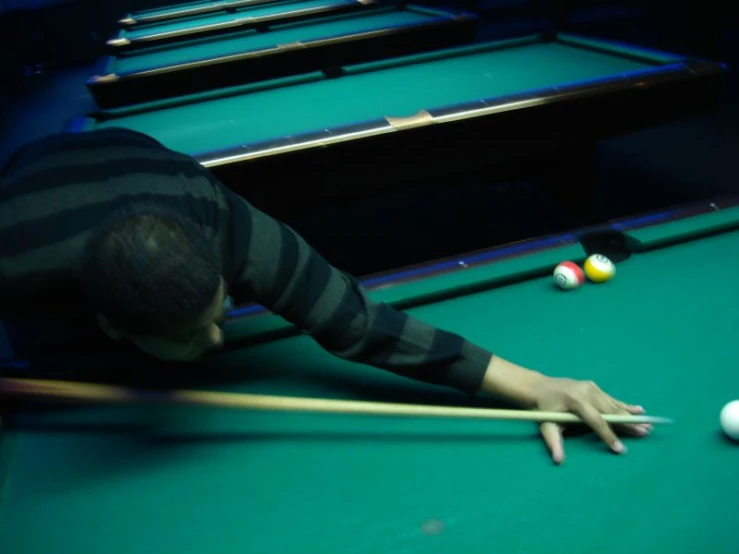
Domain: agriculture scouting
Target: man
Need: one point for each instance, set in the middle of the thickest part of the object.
(112, 228)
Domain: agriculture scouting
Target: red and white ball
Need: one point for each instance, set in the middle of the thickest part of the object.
(568, 276)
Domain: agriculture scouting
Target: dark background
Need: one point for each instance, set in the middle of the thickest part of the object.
(49, 47)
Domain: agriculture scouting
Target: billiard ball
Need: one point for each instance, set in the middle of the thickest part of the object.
(568, 276)
(599, 269)
(730, 419)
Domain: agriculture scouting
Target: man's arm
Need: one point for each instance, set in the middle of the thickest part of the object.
(279, 270)
(287, 276)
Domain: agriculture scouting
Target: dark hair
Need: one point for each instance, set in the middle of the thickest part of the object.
(149, 269)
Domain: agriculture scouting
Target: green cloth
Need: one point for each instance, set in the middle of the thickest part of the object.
(662, 333)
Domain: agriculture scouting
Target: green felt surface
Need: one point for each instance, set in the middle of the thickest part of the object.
(399, 90)
(260, 10)
(682, 229)
(215, 4)
(251, 40)
(662, 333)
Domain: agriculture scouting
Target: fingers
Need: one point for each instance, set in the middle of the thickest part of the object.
(595, 421)
(589, 402)
(606, 404)
(638, 430)
(552, 434)
(630, 408)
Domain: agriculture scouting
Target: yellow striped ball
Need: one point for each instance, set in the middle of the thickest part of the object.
(599, 269)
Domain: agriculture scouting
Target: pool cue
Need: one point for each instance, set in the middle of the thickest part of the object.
(110, 394)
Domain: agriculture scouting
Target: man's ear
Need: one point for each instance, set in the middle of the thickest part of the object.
(108, 328)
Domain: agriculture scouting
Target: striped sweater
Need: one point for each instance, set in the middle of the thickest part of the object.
(55, 190)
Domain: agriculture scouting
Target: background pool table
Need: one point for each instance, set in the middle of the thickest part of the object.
(494, 102)
(250, 55)
(662, 333)
(256, 16)
(188, 9)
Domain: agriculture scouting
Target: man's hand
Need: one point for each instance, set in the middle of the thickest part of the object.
(534, 391)
(587, 401)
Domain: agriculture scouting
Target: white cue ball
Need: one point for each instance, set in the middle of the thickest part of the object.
(730, 419)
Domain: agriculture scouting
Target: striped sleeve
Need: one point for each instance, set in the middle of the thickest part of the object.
(280, 271)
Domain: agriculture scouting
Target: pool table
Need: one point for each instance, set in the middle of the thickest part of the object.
(259, 16)
(662, 333)
(248, 55)
(393, 123)
(188, 9)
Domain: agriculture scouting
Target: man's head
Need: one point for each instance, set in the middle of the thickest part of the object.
(155, 278)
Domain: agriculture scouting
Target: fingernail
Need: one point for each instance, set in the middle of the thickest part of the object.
(558, 456)
(619, 447)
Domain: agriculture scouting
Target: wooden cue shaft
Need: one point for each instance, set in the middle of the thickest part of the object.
(110, 394)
